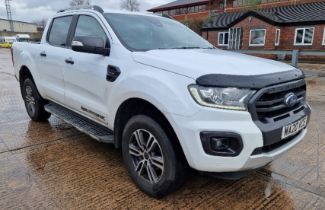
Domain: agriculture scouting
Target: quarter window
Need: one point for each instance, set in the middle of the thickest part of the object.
(59, 31)
(89, 26)
(223, 38)
(304, 36)
(277, 37)
(257, 37)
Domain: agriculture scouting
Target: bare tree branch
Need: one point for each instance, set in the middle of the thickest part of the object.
(79, 2)
(131, 5)
(41, 23)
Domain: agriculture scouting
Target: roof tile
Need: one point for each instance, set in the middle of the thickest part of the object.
(300, 13)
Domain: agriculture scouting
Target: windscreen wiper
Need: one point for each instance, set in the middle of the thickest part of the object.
(182, 48)
(192, 47)
(186, 48)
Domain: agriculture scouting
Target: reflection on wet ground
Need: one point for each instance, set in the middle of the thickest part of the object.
(52, 165)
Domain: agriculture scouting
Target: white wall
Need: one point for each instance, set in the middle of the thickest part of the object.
(18, 26)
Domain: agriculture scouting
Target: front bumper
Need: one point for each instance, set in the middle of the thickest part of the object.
(188, 130)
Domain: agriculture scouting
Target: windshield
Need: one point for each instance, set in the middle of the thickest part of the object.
(143, 33)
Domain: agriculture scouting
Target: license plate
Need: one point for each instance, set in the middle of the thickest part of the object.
(294, 128)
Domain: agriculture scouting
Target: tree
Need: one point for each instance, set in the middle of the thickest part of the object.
(194, 24)
(79, 2)
(41, 23)
(131, 5)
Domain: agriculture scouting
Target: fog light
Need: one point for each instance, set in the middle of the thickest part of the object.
(217, 143)
(221, 144)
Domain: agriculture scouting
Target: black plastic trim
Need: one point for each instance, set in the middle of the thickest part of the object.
(272, 131)
(207, 135)
(270, 148)
(72, 29)
(249, 81)
(91, 7)
(113, 73)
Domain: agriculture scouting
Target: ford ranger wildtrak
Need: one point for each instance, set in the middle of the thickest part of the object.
(163, 94)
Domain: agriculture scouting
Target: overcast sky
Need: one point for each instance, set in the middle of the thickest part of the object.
(35, 10)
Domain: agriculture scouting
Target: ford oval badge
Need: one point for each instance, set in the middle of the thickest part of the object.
(291, 99)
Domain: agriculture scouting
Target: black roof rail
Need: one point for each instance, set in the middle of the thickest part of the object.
(92, 7)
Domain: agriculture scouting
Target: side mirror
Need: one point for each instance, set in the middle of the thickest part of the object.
(90, 44)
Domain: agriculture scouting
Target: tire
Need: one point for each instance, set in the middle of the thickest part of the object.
(153, 166)
(34, 103)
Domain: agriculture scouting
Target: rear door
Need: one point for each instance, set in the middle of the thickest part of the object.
(52, 55)
(85, 77)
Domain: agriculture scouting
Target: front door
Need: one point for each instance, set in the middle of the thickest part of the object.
(85, 74)
(235, 38)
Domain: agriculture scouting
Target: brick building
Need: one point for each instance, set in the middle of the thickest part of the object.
(201, 9)
(268, 25)
(183, 10)
(298, 26)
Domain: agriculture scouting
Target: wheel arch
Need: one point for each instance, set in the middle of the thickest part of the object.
(137, 106)
(24, 73)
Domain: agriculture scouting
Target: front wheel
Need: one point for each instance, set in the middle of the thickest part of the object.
(34, 103)
(150, 157)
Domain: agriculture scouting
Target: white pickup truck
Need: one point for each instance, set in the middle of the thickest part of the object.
(161, 93)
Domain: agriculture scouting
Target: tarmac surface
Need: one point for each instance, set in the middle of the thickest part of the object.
(53, 166)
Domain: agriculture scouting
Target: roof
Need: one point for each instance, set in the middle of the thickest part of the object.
(18, 21)
(177, 4)
(309, 13)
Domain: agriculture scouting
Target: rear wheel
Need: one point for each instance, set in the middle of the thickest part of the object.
(150, 157)
(34, 103)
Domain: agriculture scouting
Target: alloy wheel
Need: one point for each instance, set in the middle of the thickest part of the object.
(146, 155)
(30, 100)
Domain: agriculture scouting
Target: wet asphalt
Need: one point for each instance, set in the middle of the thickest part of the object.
(51, 165)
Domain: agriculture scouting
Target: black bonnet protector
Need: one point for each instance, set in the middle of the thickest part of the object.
(249, 81)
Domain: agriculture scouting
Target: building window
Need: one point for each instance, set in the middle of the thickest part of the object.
(243, 3)
(304, 36)
(324, 37)
(277, 37)
(257, 37)
(223, 38)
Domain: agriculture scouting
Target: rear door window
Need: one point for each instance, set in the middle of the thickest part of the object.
(59, 31)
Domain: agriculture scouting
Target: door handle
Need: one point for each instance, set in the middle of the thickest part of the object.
(43, 54)
(69, 61)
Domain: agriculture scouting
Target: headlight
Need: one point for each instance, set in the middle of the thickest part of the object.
(222, 98)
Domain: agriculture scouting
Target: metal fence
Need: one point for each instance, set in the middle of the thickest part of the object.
(281, 54)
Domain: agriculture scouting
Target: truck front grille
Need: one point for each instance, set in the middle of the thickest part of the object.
(269, 103)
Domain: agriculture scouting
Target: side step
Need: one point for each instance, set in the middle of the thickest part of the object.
(96, 131)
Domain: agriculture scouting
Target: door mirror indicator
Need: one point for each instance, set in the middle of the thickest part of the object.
(90, 44)
(77, 43)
